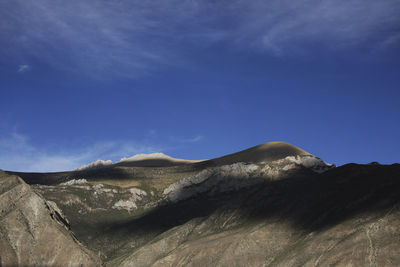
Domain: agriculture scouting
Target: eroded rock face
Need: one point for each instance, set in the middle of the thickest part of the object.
(239, 175)
(34, 232)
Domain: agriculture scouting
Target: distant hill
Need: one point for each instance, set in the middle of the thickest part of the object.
(153, 160)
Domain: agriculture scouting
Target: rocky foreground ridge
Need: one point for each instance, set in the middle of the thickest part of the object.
(270, 205)
(34, 232)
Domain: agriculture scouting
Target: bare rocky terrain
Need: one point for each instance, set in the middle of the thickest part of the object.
(270, 205)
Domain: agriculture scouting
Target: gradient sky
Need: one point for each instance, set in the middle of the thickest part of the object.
(82, 80)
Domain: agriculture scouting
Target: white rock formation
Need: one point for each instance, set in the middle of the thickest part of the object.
(127, 204)
(232, 177)
(211, 179)
(136, 191)
(130, 204)
(74, 182)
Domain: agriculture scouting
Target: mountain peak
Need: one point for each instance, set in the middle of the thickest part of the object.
(262, 153)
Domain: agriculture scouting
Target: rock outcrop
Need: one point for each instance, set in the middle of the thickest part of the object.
(34, 232)
(239, 175)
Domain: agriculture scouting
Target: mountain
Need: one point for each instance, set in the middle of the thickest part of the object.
(270, 205)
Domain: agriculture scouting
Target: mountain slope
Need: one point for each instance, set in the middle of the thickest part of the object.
(33, 232)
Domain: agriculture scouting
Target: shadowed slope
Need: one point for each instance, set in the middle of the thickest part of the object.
(278, 222)
(307, 200)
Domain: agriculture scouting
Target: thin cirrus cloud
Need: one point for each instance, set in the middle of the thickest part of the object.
(334, 25)
(18, 153)
(132, 38)
(194, 139)
(23, 68)
(185, 140)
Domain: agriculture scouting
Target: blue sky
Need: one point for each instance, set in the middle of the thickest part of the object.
(95, 79)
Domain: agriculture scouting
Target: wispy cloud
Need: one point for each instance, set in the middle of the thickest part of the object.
(23, 68)
(18, 153)
(288, 27)
(391, 41)
(186, 140)
(133, 37)
(194, 139)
